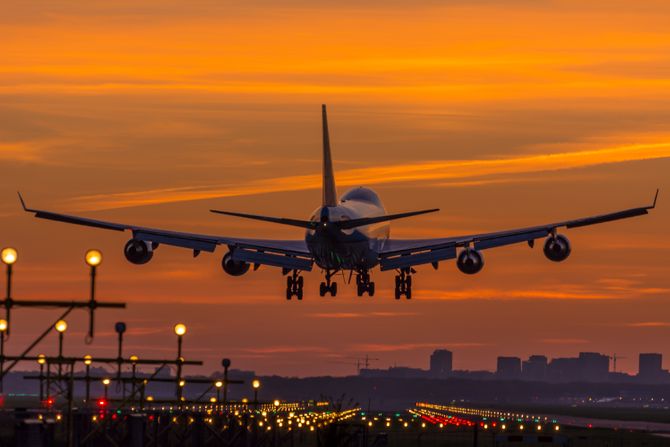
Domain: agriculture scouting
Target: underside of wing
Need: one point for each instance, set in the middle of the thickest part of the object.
(399, 253)
(289, 254)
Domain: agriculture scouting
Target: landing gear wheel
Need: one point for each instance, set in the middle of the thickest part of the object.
(371, 289)
(294, 285)
(322, 289)
(333, 289)
(403, 284)
(364, 284)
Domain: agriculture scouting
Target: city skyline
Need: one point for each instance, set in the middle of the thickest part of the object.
(491, 111)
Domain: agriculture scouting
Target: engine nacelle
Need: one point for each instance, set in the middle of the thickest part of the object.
(470, 261)
(232, 267)
(138, 251)
(557, 248)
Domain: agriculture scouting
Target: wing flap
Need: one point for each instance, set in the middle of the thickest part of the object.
(511, 239)
(272, 259)
(426, 257)
(184, 242)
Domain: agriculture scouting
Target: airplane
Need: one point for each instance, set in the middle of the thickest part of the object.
(351, 234)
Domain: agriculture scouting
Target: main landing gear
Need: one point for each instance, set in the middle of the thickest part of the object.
(294, 285)
(403, 284)
(328, 287)
(364, 284)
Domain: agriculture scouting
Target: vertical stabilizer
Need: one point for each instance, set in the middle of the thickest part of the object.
(329, 191)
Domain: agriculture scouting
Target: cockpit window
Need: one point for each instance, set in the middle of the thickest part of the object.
(362, 195)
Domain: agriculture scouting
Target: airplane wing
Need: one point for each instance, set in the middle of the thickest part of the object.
(406, 253)
(286, 254)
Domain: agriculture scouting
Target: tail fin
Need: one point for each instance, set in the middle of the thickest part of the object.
(328, 189)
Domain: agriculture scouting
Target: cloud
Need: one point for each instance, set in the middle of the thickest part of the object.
(564, 341)
(391, 347)
(345, 315)
(399, 173)
(649, 324)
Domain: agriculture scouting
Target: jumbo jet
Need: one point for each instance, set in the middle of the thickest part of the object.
(350, 235)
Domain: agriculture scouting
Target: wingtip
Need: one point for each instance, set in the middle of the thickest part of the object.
(23, 203)
(655, 198)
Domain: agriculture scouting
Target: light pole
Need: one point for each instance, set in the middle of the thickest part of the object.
(61, 327)
(9, 256)
(87, 362)
(256, 384)
(3, 328)
(93, 259)
(41, 360)
(133, 359)
(218, 384)
(179, 330)
(120, 328)
(106, 383)
(226, 364)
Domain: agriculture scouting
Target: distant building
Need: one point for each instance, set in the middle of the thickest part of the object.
(651, 367)
(563, 370)
(441, 363)
(535, 368)
(395, 372)
(509, 368)
(594, 366)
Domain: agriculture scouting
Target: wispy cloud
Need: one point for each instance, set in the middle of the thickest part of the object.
(564, 341)
(649, 324)
(405, 172)
(390, 347)
(345, 315)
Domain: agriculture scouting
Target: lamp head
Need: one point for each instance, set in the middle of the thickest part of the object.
(218, 384)
(3, 325)
(41, 359)
(134, 358)
(106, 381)
(120, 327)
(180, 329)
(9, 255)
(61, 326)
(93, 258)
(88, 360)
(256, 384)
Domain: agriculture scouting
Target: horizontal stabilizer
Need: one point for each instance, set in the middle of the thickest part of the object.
(353, 223)
(278, 220)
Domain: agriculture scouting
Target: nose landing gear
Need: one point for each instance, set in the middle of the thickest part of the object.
(403, 284)
(294, 284)
(328, 287)
(364, 284)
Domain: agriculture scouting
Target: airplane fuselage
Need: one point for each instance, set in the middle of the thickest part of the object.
(357, 248)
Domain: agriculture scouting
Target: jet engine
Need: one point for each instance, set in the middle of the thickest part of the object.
(470, 261)
(232, 267)
(557, 248)
(138, 251)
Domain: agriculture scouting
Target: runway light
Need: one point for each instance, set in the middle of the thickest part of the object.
(3, 325)
(9, 255)
(61, 326)
(88, 360)
(180, 329)
(93, 258)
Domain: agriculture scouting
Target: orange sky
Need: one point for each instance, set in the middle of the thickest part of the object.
(500, 113)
